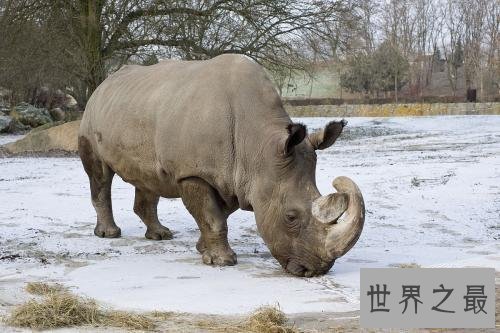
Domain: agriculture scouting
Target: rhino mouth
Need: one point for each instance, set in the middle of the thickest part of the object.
(298, 269)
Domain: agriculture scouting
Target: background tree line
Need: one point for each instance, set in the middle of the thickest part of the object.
(75, 44)
(405, 42)
(381, 45)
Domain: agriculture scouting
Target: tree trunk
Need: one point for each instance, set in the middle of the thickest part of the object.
(396, 86)
(91, 36)
(481, 91)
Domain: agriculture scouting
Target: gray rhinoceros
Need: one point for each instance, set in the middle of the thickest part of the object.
(215, 134)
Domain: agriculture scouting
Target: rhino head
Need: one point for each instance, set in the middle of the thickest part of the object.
(300, 226)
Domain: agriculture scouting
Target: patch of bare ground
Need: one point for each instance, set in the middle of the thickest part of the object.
(267, 319)
(41, 288)
(50, 153)
(3, 152)
(60, 308)
(56, 307)
(407, 265)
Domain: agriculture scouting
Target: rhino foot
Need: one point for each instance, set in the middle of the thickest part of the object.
(219, 257)
(158, 233)
(105, 231)
(200, 245)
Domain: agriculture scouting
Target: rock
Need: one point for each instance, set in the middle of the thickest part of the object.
(46, 126)
(16, 127)
(5, 110)
(5, 95)
(57, 114)
(32, 116)
(48, 98)
(4, 123)
(59, 138)
(70, 102)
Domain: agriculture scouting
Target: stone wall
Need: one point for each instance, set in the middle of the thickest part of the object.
(393, 110)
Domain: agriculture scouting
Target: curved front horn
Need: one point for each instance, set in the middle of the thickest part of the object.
(342, 236)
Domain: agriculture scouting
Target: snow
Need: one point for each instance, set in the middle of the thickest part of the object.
(432, 193)
(7, 138)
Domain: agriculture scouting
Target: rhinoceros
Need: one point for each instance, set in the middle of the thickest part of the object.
(215, 134)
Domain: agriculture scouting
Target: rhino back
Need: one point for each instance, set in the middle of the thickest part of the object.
(158, 124)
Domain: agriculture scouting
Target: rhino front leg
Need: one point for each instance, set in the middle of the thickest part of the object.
(145, 206)
(204, 204)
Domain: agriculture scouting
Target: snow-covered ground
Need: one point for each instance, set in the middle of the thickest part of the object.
(432, 193)
(4, 139)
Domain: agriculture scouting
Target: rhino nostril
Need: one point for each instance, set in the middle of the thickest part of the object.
(300, 270)
(295, 268)
(309, 273)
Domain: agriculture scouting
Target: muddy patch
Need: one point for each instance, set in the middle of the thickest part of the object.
(442, 180)
(351, 133)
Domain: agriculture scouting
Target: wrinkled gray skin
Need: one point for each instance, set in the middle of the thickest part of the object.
(215, 134)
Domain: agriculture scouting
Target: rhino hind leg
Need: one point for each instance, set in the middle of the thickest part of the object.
(204, 204)
(100, 177)
(145, 206)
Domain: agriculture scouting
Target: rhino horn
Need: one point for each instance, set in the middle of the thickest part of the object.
(347, 202)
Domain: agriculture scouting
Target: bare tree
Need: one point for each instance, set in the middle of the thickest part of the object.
(99, 35)
(28, 59)
(368, 11)
(490, 71)
(427, 22)
(451, 39)
(473, 12)
(492, 25)
(398, 27)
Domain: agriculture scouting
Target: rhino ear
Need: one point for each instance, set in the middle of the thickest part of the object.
(296, 134)
(326, 137)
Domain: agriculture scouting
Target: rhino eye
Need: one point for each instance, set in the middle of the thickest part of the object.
(291, 215)
(292, 222)
(292, 218)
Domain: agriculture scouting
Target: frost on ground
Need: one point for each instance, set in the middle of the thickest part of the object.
(432, 192)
